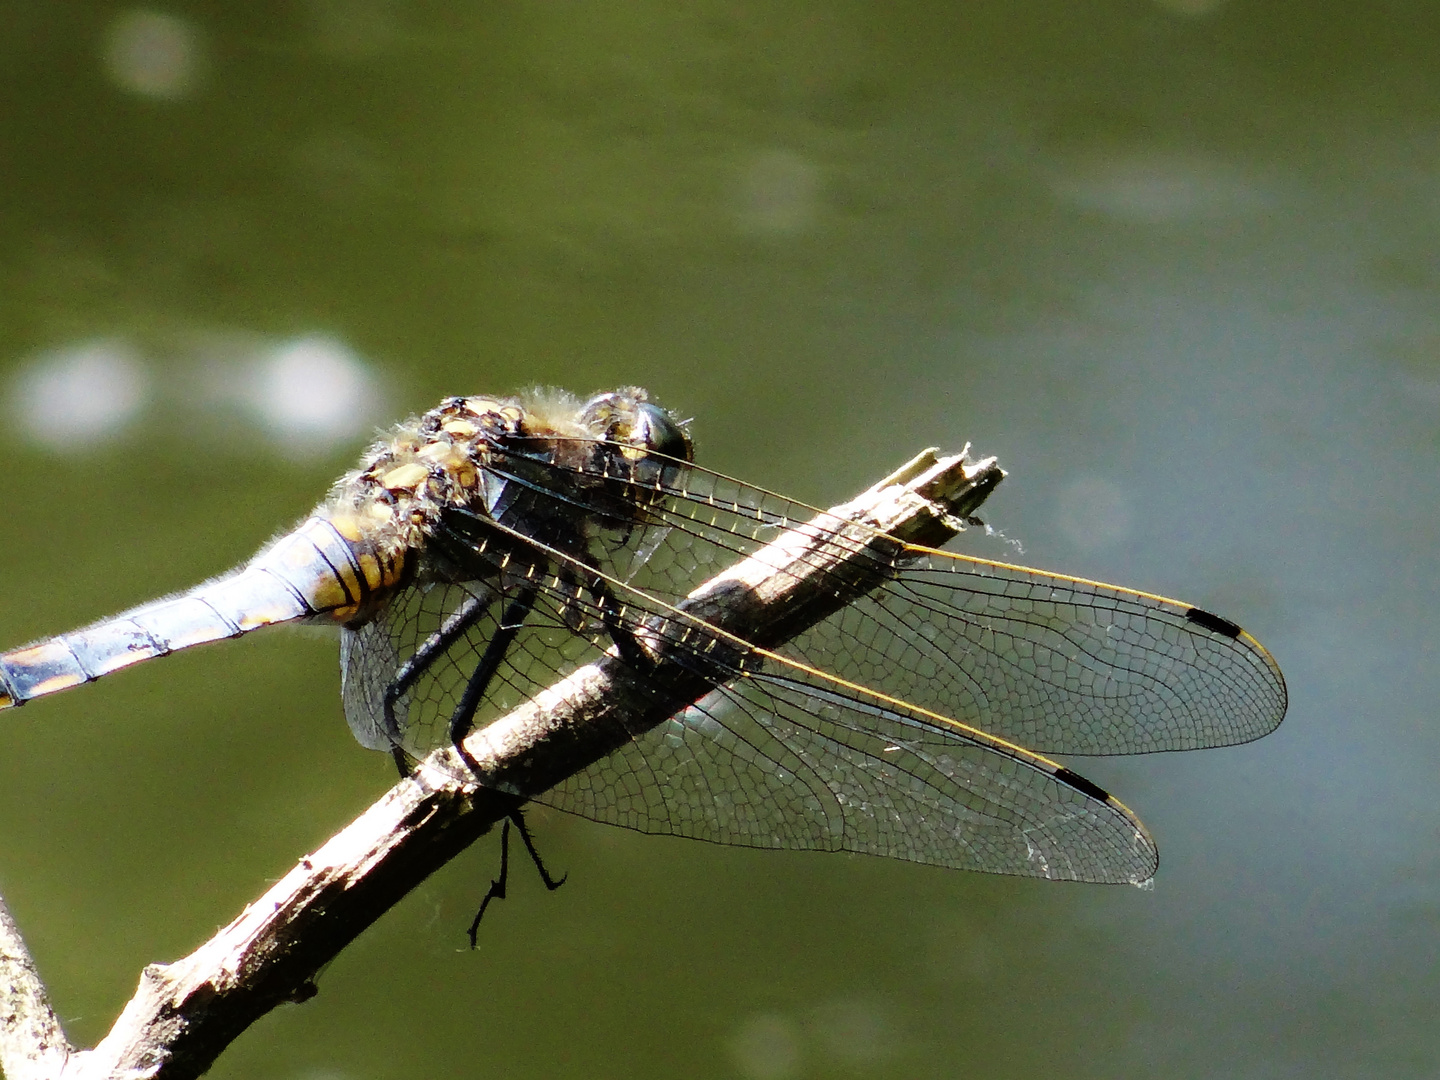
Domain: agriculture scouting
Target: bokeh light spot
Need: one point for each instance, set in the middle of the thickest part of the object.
(79, 395)
(766, 1047)
(153, 54)
(312, 393)
(1154, 187)
(778, 193)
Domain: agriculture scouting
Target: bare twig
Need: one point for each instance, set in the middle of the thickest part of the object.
(32, 1046)
(185, 1013)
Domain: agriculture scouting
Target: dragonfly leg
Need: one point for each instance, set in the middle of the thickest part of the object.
(402, 760)
(497, 887)
(510, 623)
(419, 662)
(624, 638)
(518, 816)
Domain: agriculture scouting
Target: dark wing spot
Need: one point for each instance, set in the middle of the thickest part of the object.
(1214, 623)
(1080, 784)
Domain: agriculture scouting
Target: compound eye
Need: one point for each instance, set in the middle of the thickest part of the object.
(659, 434)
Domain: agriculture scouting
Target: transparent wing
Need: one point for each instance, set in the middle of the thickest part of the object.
(1060, 665)
(779, 761)
(694, 525)
(369, 659)
(551, 644)
(780, 755)
(1056, 663)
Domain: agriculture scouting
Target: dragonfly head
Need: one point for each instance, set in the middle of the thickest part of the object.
(640, 427)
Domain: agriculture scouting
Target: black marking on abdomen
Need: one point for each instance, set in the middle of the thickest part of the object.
(1080, 784)
(1214, 623)
(350, 599)
(295, 594)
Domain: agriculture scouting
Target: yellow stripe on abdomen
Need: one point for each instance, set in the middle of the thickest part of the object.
(333, 567)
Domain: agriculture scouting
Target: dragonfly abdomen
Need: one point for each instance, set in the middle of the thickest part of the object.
(325, 569)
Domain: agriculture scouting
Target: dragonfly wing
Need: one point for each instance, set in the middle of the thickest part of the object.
(779, 761)
(369, 660)
(442, 630)
(1059, 664)
(374, 656)
(691, 526)
(1056, 663)
(844, 742)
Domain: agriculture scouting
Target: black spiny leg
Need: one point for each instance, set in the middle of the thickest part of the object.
(497, 887)
(510, 623)
(626, 644)
(518, 816)
(419, 662)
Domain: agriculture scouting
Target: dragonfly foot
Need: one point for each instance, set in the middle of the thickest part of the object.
(497, 887)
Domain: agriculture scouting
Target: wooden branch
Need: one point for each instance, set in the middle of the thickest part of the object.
(185, 1013)
(32, 1045)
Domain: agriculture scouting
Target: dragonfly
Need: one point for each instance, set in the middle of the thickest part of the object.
(485, 549)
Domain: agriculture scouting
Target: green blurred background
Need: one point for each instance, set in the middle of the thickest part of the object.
(1174, 261)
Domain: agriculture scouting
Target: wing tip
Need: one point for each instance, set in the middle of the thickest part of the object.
(1214, 623)
(1145, 856)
